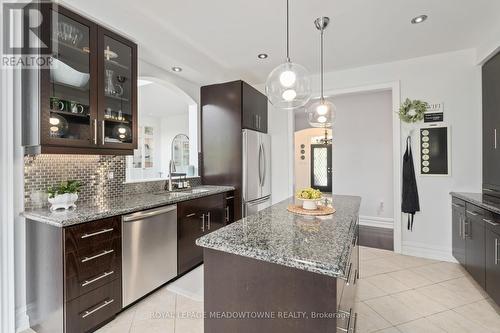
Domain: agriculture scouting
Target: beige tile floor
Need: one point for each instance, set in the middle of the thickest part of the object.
(396, 294)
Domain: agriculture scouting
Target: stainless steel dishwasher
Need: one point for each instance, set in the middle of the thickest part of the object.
(149, 251)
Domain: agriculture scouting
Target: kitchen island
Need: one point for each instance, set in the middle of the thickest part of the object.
(276, 271)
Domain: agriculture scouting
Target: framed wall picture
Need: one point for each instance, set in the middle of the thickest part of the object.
(435, 151)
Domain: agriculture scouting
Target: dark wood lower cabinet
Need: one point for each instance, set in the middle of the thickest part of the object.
(476, 244)
(196, 218)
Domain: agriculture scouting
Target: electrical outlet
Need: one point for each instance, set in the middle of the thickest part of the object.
(111, 175)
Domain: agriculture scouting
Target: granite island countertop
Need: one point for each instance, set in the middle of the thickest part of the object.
(317, 244)
(117, 206)
(479, 199)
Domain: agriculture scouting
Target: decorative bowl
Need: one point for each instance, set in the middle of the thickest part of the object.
(65, 74)
(63, 201)
(310, 204)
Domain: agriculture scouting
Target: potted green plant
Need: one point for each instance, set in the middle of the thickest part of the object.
(64, 195)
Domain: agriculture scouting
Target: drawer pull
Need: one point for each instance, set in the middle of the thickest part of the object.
(103, 231)
(457, 205)
(227, 213)
(229, 198)
(496, 251)
(88, 313)
(103, 253)
(191, 215)
(87, 282)
(472, 213)
(490, 222)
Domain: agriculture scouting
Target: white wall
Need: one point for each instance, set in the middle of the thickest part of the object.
(362, 151)
(451, 78)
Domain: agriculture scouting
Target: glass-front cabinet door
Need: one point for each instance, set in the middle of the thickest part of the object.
(117, 91)
(69, 92)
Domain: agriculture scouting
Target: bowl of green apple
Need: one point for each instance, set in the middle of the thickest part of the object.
(309, 198)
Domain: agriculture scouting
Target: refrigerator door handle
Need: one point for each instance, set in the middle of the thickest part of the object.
(265, 165)
(260, 165)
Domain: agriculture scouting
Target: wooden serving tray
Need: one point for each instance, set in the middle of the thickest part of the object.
(322, 210)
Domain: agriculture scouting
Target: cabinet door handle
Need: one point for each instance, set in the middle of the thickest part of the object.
(347, 277)
(490, 222)
(103, 231)
(460, 227)
(495, 138)
(457, 205)
(103, 131)
(102, 276)
(95, 131)
(472, 213)
(496, 251)
(229, 198)
(202, 222)
(464, 228)
(227, 213)
(103, 253)
(208, 217)
(88, 313)
(191, 215)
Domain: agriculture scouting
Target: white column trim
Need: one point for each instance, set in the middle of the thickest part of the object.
(7, 284)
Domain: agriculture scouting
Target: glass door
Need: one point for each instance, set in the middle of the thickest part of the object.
(321, 167)
(69, 85)
(117, 91)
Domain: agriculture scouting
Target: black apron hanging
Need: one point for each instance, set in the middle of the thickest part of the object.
(410, 203)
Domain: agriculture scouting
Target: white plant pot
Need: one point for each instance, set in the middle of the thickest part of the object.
(63, 201)
(310, 204)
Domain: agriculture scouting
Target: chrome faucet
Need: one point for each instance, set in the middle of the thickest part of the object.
(171, 168)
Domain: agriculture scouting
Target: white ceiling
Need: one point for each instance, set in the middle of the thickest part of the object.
(219, 39)
(158, 101)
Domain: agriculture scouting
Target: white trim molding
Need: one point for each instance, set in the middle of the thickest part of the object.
(424, 250)
(375, 221)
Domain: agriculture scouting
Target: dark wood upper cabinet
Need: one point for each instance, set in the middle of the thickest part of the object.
(254, 108)
(491, 126)
(86, 100)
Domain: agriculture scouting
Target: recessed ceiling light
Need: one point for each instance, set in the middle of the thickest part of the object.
(419, 19)
(262, 56)
(177, 69)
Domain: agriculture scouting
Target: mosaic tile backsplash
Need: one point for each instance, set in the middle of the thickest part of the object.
(93, 172)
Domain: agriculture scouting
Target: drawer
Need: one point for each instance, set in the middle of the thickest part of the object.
(346, 286)
(86, 269)
(85, 234)
(458, 202)
(199, 205)
(94, 308)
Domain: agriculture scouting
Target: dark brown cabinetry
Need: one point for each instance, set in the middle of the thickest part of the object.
(227, 109)
(74, 275)
(491, 126)
(229, 207)
(474, 243)
(86, 100)
(492, 243)
(458, 229)
(196, 218)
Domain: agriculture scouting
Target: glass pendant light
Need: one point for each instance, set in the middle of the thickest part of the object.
(321, 112)
(288, 86)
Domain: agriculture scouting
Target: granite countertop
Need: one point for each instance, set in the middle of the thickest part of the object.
(479, 199)
(317, 244)
(117, 206)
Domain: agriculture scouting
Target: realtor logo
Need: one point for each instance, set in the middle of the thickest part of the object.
(24, 44)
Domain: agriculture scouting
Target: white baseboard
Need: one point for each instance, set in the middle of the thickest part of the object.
(22, 319)
(427, 251)
(375, 221)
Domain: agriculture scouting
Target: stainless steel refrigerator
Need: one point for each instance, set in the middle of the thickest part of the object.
(256, 172)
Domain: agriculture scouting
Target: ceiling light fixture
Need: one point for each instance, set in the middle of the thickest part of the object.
(177, 69)
(288, 86)
(320, 112)
(262, 56)
(419, 19)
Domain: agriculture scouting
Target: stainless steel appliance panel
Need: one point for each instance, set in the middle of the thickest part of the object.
(252, 152)
(253, 207)
(149, 251)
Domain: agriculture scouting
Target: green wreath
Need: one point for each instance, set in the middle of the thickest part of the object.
(412, 111)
